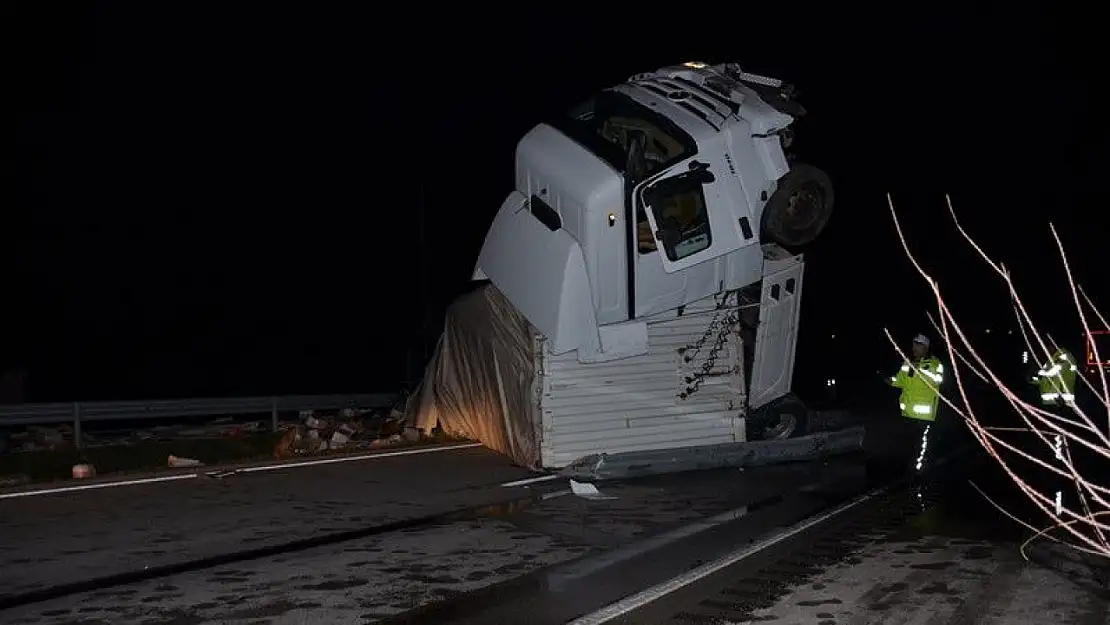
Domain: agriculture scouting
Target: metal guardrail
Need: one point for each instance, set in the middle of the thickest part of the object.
(84, 412)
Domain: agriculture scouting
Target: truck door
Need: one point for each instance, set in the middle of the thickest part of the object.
(777, 333)
(689, 215)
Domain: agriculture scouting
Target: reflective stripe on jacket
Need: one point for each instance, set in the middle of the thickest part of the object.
(1056, 380)
(920, 384)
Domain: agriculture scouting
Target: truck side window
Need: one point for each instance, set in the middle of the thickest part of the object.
(683, 221)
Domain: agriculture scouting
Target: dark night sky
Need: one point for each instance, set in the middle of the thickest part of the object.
(221, 198)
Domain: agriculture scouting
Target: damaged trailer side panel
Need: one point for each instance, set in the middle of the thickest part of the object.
(647, 401)
(494, 378)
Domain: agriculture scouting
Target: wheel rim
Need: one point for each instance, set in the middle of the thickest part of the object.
(783, 428)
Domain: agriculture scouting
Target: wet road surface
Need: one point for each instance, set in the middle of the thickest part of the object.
(369, 580)
(77, 536)
(543, 556)
(928, 580)
(937, 554)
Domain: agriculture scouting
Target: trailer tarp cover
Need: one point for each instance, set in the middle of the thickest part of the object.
(478, 384)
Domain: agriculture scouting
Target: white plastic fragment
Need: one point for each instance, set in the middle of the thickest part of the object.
(586, 490)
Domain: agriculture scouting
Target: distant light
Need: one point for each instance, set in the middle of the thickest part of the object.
(988, 330)
(695, 65)
(830, 382)
(1009, 331)
(834, 336)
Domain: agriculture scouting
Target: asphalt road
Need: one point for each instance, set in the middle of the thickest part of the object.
(925, 580)
(936, 554)
(78, 536)
(372, 579)
(536, 554)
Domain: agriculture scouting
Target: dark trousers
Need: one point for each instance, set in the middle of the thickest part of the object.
(925, 442)
(922, 444)
(895, 443)
(1064, 487)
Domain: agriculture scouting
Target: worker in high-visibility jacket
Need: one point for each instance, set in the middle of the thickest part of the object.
(1056, 379)
(920, 382)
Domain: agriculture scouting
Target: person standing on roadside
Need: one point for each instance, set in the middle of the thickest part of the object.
(919, 380)
(1056, 380)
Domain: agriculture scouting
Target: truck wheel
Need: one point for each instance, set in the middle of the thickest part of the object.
(785, 418)
(800, 208)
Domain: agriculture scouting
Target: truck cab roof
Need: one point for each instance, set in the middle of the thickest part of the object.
(693, 103)
(706, 99)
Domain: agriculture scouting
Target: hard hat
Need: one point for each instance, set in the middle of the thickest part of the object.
(921, 338)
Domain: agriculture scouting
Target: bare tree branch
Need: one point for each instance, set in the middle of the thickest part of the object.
(1085, 524)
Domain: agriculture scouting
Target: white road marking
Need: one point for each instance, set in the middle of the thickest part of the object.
(640, 599)
(71, 489)
(531, 480)
(369, 456)
(271, 467)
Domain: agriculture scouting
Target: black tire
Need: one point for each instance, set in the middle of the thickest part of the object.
(779, 420)
(800, 208)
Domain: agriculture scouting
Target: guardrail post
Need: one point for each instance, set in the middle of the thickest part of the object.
(273, 414)
(77, 425)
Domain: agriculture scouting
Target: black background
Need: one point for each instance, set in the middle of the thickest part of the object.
(224, 198)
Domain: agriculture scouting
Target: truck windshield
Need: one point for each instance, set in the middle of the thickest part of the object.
(632, 138)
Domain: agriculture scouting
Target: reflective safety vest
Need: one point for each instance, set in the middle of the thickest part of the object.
(1056, 380)
(920, 384)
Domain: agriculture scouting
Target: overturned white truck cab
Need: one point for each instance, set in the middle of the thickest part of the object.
(636, 290)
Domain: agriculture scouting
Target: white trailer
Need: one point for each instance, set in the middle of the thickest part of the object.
(639, 293)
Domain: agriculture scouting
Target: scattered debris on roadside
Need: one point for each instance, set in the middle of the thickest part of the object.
(588, 491)
(351, 429)
(175, 462)
(83, 471)
(37, 453)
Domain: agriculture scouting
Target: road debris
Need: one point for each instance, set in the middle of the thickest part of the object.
(351, 429)
(585, 490)
(83, 471)
(175, 462)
